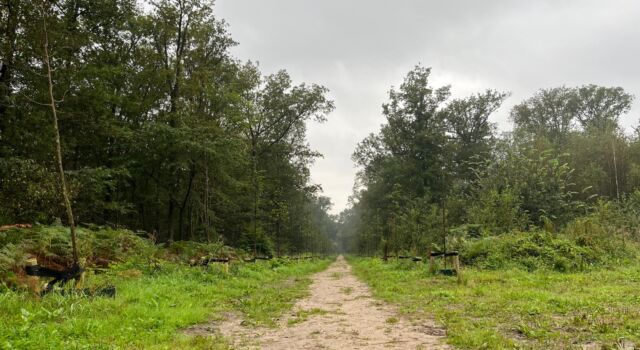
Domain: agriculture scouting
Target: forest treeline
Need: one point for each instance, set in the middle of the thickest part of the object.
(438, 169)
(161, 128)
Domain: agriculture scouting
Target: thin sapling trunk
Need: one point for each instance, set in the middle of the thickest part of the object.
(58, 150)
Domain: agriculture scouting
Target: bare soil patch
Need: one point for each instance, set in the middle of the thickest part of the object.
(339, 313)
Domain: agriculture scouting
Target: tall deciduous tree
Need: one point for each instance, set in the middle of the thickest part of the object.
(550, 113)
(275, 126)
(410, 168)
(160, 129)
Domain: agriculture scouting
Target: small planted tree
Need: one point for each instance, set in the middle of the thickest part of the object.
(46, 60)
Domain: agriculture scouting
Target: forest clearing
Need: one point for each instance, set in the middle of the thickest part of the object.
(160, 188)
(307, 304)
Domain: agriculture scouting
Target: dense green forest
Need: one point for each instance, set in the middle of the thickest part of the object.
(161, 129)
(439, 173)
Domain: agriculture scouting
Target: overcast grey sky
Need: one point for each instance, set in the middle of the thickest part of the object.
(360, 48)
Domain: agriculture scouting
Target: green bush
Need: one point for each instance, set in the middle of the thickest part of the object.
(97, 246)
(532, 251)
(608, 235)
(52, 244)
(185, 251)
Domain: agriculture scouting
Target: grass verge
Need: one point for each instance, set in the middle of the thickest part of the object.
(507, 309)
(151, 308)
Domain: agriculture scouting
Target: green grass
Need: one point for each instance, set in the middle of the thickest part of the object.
(346, 290)
(516, 309)
(337, 275)
(150, 311)
(303, 315)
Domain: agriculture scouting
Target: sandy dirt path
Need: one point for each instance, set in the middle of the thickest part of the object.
(339, 313)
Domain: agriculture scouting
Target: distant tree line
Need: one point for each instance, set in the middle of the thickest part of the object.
(161, 128)
(438, 166)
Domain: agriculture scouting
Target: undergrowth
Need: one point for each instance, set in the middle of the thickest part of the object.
(97, 247)
(157, 293)
(543, 250)
(595, 240)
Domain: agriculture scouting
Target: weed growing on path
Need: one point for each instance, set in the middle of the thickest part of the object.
(347, 290)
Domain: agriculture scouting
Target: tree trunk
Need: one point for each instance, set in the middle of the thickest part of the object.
(191, 229)
(172, 205)
(54, 113)
(206, 201)
(278, 236)
(157, 229)
(615, 166)
(192, 175)
(6, 69)
(255, 201)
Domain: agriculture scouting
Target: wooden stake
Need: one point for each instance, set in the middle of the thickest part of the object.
(456, 263)
(432, 262)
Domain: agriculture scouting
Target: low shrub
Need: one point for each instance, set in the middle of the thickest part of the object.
(120, 249)
(543, 250)
(51, 246)
(196, 252)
